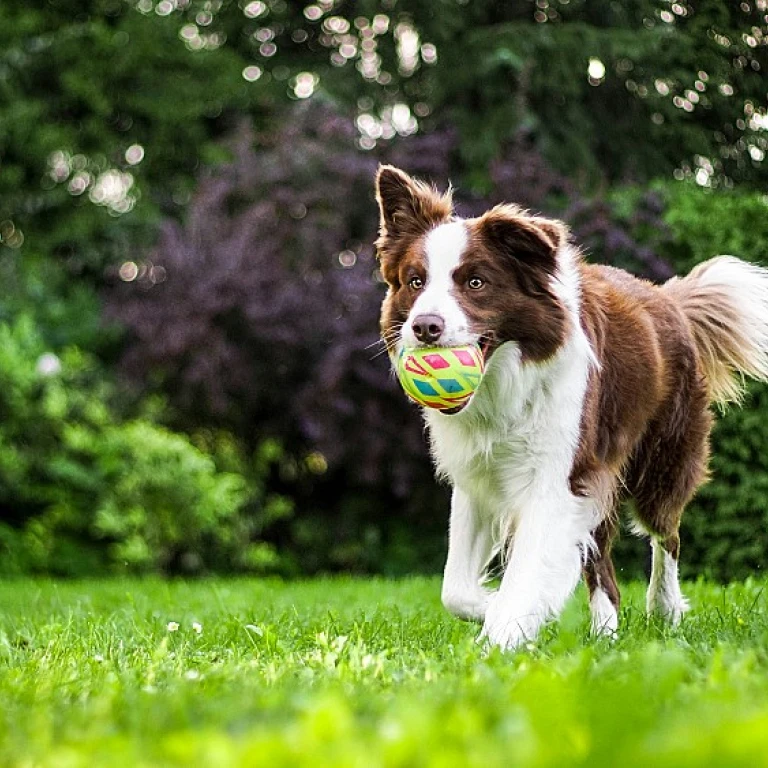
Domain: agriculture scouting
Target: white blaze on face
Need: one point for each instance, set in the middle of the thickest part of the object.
(444, 247)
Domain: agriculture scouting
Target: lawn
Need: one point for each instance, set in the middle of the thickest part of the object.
(346, 672)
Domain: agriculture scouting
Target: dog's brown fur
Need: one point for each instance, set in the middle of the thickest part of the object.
(646, 418)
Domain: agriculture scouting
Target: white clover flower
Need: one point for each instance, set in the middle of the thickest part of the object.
(173, 626)
(197, 627)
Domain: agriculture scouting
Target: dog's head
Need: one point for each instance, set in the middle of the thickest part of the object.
(489, 280)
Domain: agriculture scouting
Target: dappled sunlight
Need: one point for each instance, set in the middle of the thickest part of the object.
(108, 187)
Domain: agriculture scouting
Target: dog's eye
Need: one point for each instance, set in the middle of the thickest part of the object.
(416, 283)
(475, 283)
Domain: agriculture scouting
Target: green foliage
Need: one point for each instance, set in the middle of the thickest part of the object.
(368, 673)
(669, 97)
(67, 311)
(707, 224)
(82, 490)
(80, 83)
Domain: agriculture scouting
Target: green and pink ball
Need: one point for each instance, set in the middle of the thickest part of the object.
(444, 378)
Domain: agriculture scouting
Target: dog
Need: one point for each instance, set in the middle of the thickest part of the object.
(598, 387)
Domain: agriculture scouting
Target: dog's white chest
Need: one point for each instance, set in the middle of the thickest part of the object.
(517, 440)
(495, 469)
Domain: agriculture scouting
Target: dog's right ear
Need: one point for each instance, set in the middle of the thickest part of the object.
(408, 207)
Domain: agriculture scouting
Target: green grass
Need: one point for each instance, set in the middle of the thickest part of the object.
(368, 673)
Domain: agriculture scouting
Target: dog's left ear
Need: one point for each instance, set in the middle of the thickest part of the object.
(529, 243)
(531, 240)
(407, 206)
(555, 230)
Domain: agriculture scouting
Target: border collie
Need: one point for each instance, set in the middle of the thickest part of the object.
(597, 388)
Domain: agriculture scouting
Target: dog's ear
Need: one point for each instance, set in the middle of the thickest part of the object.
(408, 207)
(555, 230)
(530, 243)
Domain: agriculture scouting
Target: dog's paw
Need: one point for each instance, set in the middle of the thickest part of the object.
(469, 606)
(507, 628)
(672, 610)
(669, 605)
(605, 618)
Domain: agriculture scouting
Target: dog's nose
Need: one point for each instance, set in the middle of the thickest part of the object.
(428, 328)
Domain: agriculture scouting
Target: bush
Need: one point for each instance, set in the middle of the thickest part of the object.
(82, 491)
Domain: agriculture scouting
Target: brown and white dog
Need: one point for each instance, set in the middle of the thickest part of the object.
(598, 387)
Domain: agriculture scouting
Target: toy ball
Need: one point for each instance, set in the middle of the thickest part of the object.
(444, 378)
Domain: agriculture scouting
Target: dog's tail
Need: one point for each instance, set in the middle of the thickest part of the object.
(726, 302)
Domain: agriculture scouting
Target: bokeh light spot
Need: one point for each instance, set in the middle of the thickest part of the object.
(407, 47)
(11, 235)
(165, 8)
(316, 463)
(305, 84)
(79, 183)
(254, 10)
(134, 154)
(48, 364)
(380, 24)
(595, 71)
(252, 73)
(267, 49)
(112, 190)
(429, 53)
(128, 271)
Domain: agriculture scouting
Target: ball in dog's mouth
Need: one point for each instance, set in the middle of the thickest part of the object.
(442, 378)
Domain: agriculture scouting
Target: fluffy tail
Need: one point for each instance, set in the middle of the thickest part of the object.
(726, 302)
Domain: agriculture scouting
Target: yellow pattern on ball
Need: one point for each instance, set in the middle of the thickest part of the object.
(441, 377)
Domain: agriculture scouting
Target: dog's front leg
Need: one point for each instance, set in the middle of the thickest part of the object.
(470, 546)
(542, 571)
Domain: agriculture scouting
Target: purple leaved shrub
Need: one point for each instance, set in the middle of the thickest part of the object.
(260, 312)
